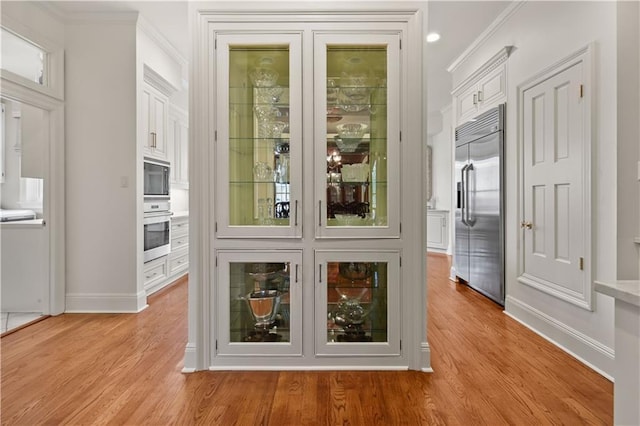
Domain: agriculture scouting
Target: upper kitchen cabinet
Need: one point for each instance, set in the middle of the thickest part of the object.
(154, 121)
(178, 138)
(259, 135)
(484, 89)
(357, 134)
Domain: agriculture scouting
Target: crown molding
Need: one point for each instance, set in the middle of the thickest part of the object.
(79, 17)
(488, 32)
(152, 32)
(158, 81)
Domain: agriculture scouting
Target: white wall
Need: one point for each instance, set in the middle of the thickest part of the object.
(101, 153)
(441, 169)
(628, 139)
(543, 33)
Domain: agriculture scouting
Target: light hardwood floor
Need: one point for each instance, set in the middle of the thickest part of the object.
(125, 369)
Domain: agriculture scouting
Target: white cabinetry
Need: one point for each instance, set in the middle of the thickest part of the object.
(164, 270)
(437, 229)
(315, 104)
(179, 147)
(484, 89)
(179, 256)
(154, 122)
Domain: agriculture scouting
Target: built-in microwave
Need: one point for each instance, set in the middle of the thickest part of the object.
(156, 179)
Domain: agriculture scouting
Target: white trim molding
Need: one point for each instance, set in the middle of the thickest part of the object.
(159, 82)
(106, 302)
(585, 349)
(486, 34)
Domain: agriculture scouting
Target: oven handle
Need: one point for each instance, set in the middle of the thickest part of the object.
(156, 218)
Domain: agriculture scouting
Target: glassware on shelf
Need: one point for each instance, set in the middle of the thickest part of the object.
(355, 87)
(268, 95)
(264, 77)
(350, 315)
(264, 306)
(272, 129)
(266, 112)
(262, 172)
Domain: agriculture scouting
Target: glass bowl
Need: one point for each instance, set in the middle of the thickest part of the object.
(351, 132)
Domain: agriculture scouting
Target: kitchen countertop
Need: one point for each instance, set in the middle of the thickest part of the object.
(626, 290)
(182, 213)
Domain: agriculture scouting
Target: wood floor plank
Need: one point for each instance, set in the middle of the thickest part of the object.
(95, 369)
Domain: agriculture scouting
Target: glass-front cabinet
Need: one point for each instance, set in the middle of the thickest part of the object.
(357, 135)
(307, 154)
(259, 135)
(358, 297)
(259, 300)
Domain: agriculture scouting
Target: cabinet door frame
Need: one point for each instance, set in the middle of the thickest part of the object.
(394, 77)
(392, 346)
(222, 346)
(224, 39)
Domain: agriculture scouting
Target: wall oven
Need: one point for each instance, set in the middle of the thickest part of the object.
(157, 230)
(156, 179)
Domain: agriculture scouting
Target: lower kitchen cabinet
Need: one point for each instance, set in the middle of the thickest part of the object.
(437, 230)
(164, 270)
(260, 303)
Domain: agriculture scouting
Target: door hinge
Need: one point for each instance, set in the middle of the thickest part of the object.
(216, 345)
(401, 261)
(401, 227)
(216, 261)
(400, 44)
(582, 90)
(215, 227)
(215, 135)
(400, 344)
(400, 135)
(215, 43)
(582, 263)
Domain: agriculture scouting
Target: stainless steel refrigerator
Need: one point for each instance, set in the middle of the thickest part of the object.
(479, 213)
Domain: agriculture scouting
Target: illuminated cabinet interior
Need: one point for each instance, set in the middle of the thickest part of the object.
(307, 266)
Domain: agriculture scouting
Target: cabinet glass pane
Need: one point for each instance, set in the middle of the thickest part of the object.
(357, 302)
(259, 302)
(356, 135)
(259, 163)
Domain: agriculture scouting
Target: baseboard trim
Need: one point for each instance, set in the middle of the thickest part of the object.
(105, 302)
(585, 349)
(425, 358)
(190, 359)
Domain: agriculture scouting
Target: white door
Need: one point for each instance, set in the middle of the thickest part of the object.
(555, 215)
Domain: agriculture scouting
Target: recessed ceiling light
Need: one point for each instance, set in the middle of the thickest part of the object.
(433, 37)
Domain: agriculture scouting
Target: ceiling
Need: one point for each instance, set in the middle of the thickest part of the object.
(458, 22)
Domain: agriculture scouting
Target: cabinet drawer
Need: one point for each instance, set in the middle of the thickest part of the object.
(154, 271)
(178, 262)
(179, 227)
(179, 242)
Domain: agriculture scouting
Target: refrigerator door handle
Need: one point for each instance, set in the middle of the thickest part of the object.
(469, 219)
(463, 195)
